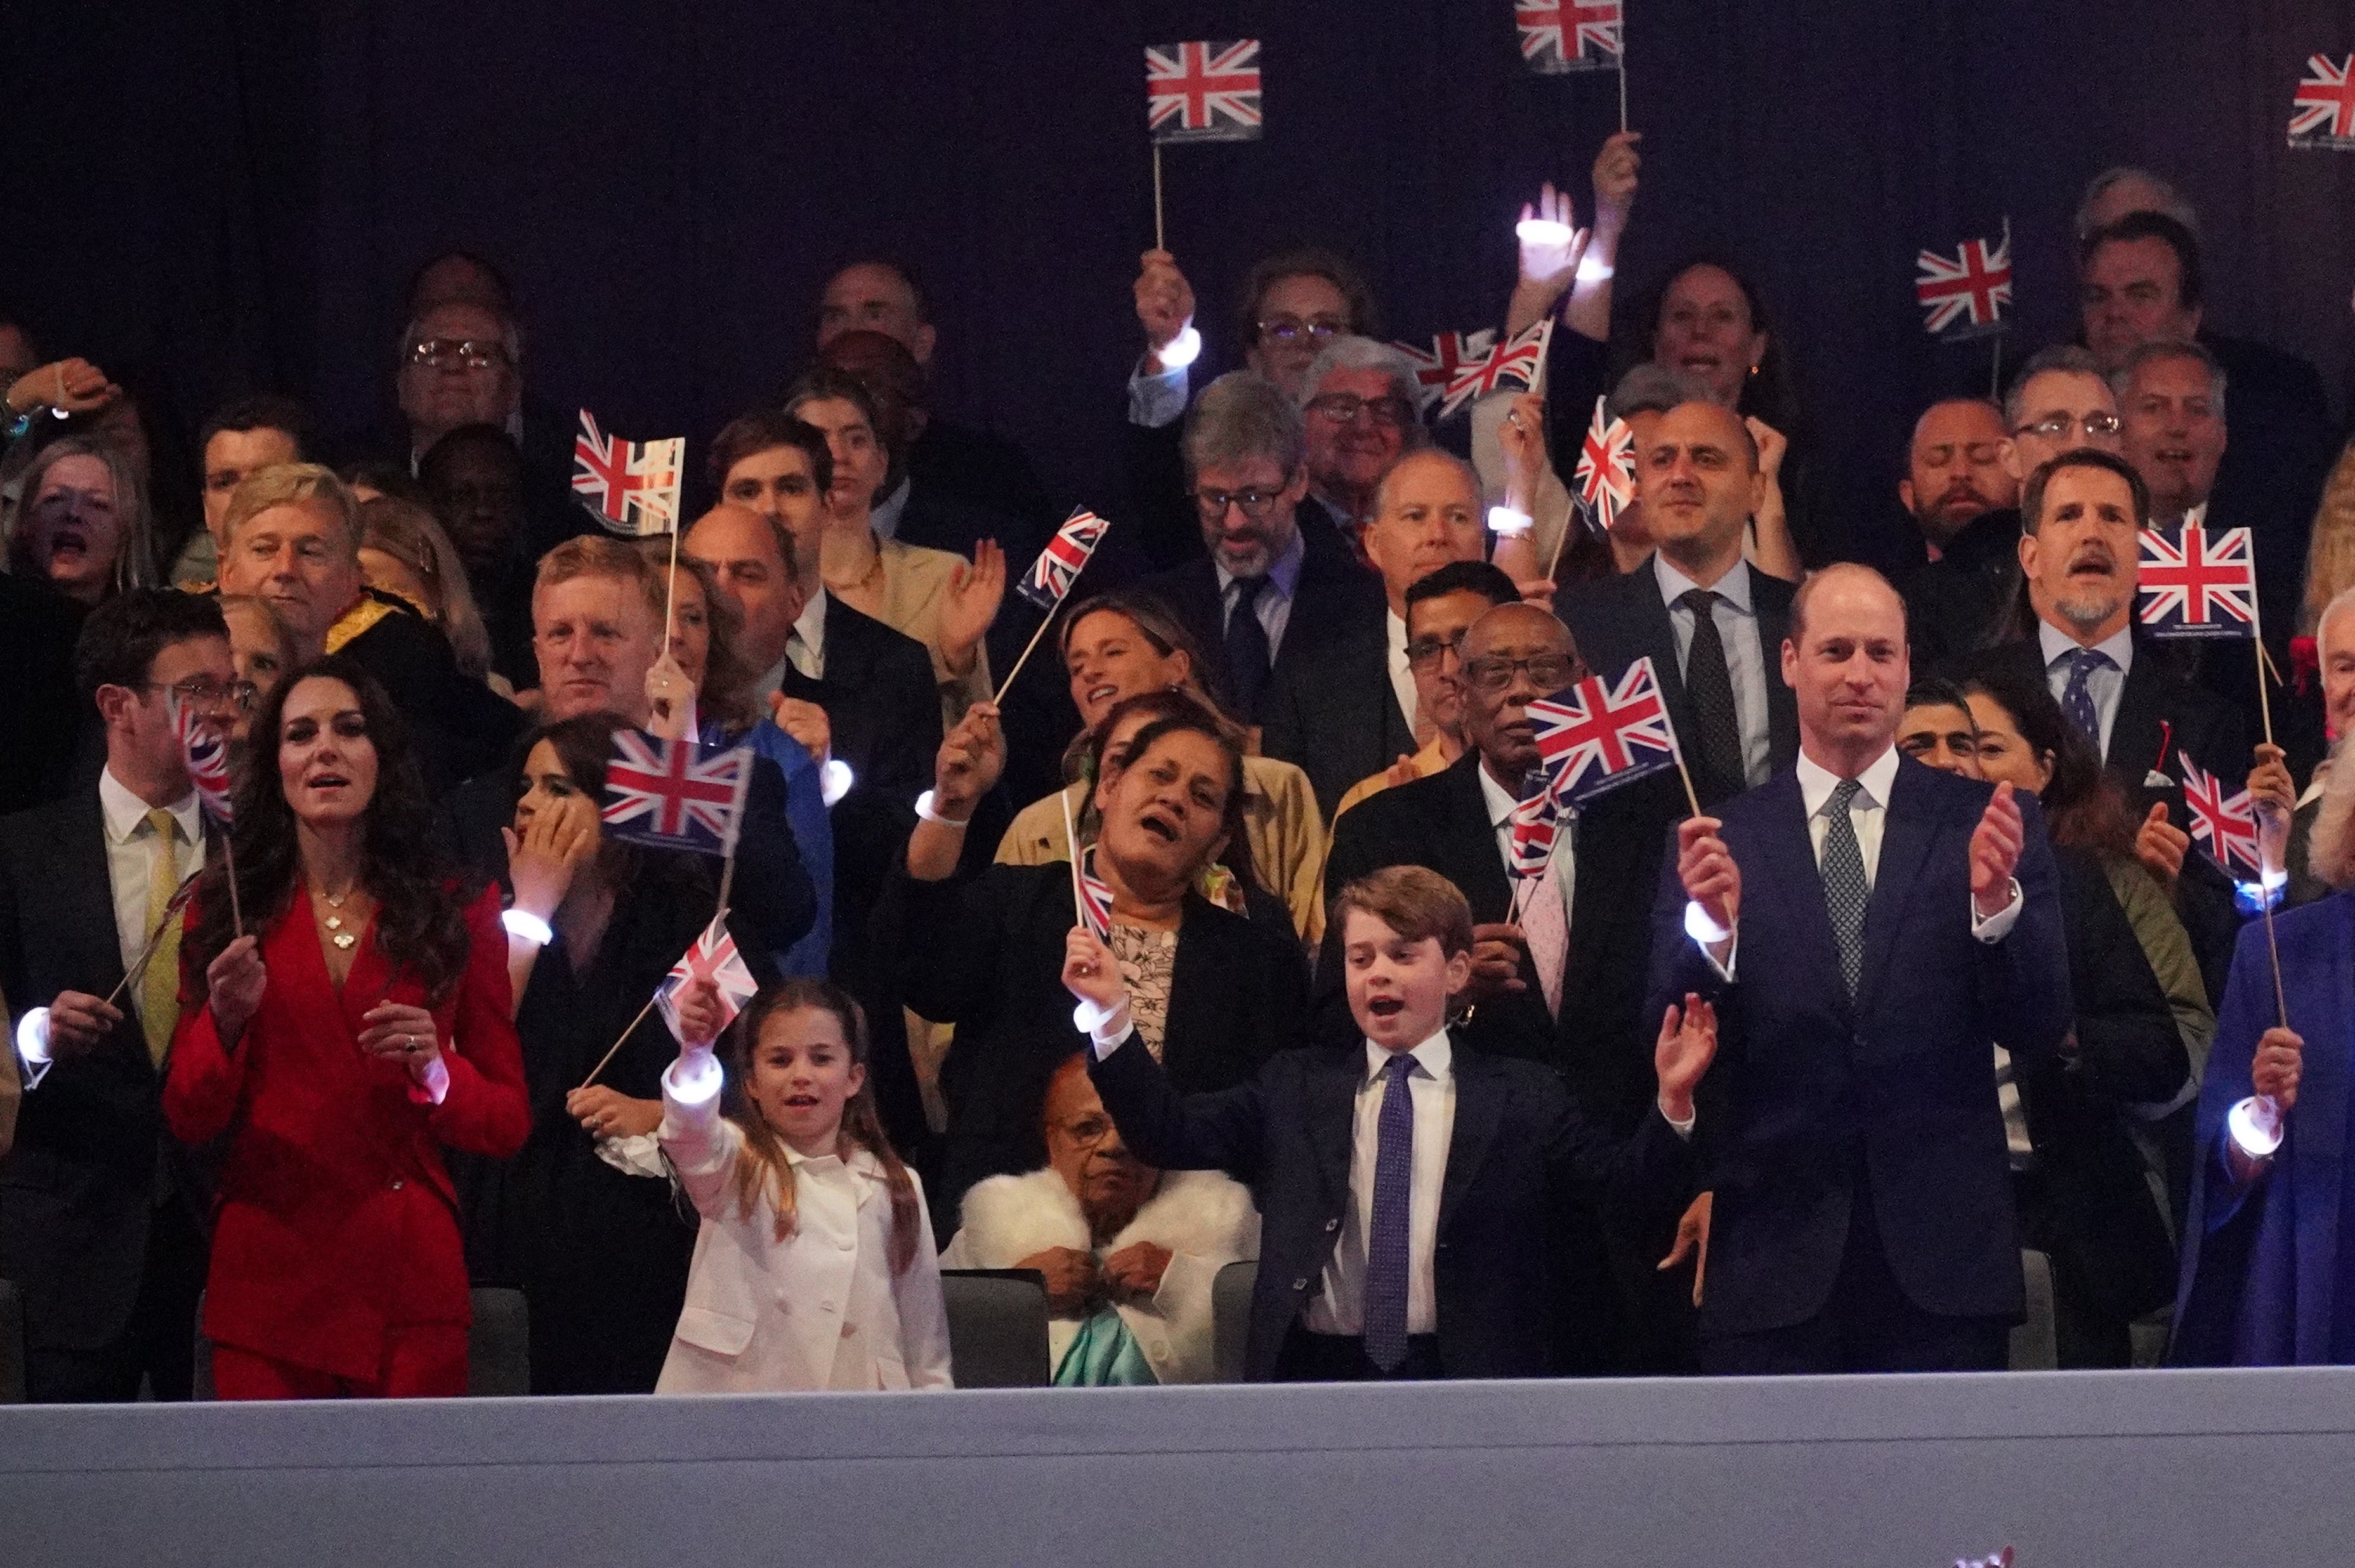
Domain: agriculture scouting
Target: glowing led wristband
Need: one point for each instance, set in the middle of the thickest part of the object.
(695, 1078)
(1507, 523)
(530, 927)
(1702, 928)
(925, 809)
(1182, 350)
(1095, 1021)
(834, 781)
(33, 1038)
(2257, 1126)
(1542, 231)
(1595, 270)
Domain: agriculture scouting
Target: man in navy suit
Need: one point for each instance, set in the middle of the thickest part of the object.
(1406, 1185)
(1866, 926)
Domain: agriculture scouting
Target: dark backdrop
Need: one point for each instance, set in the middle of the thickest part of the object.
(224, 195)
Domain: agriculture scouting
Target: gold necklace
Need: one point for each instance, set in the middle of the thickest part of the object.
(874, 570)
(344, 940)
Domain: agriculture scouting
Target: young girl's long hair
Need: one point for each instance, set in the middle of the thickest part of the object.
(763, 1166)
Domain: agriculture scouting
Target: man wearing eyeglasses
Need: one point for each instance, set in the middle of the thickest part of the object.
(1290, 306)
(1358, 404)
(102, 1215)
(1277, 583)
(461, 364)
(2060, 403)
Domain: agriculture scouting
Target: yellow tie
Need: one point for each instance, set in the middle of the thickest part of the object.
(159, 987)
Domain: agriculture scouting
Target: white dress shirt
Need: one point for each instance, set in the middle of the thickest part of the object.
(1401, 677)
(805, 649)
(130, 860)
(1564, 865)
(1868, 814)
(2104, 685)
(1157, 400)
(1339, 1304)
(1736, 614)
(1275, 604)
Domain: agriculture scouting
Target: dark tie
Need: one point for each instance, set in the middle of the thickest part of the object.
(1716, 740)
(1846, 891)
(1248, 654)
(2077, 696)
(1386, 1247)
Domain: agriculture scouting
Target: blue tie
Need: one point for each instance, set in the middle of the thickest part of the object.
(2077, 698)
(1248, 654)
(1386, 1248)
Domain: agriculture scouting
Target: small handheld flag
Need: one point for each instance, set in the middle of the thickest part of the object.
(1559, 36)
(2196, 584)
(206, 753)
(1593, 739)
(1202, 91)
(2322, 114)
(631, 486)
(1516, 366)
(1535, 824)
(1606, 475)
(1449, 352)
(1066, 556)
(672, 794)
(1095, 896)
(1966, 297)
(2226, 825)
(714, 958)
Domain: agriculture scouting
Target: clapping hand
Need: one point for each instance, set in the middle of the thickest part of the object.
(1687, 1045)
(68, 386)
(970, 604)
(1995, 853)
(1692, 1241)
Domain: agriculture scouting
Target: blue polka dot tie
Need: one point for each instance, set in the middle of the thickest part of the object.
(1846, 891)
(1386, 1246)
(2077, 696)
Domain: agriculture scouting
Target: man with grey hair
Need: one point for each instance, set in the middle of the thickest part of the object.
(1358, 408)
(1277, 583)
(2122, 188)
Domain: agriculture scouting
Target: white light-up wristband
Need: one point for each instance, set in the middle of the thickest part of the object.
(925, 809)
(1507, 523)
(1182, 350)
(1702, 928)
(522, 923)
(834, 781)
(2256, 1125)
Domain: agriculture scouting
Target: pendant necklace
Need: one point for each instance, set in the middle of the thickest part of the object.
(344, 940)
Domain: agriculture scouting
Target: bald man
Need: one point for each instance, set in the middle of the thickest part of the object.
(1349, 710)
(1865, 925)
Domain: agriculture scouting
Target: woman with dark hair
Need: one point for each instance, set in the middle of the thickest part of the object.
(2081, 1179)
(359, 1026)
(584, 1218)
(1115, 649)
(1217, 994)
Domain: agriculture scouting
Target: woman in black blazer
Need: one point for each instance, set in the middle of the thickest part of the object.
(1218, 994)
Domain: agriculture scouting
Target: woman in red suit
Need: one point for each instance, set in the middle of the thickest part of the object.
(360, 1024)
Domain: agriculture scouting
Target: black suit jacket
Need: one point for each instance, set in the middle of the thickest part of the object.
(1618, 620)
(992, 963)
(1890, 1097)
(2158, 710)
(1334, 596)
(463, 725)
(1442, 823)
(1953, 603)
(961, 468)
(1333, 712)
(1289, 1133)
(77, 1191)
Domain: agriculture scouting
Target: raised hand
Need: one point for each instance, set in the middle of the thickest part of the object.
(972, 756)
(1687, 1044)
(1548, 258)
(1164, 304)
(234, 981)
(1615, 167)
(1995, 852)
(806, 722)
(970, 604)
(1521, 439)
(670, 698)
(1705, 866)
(699, 1016)
(2160, 846)
(1091, 972)
(2274, 794)
(68, 386)
(2280, 1061)
(542, 859)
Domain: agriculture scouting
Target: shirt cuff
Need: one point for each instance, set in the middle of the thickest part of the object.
(1995, 927)
(1157, 400)
(429, 1085)
(1683, 1129)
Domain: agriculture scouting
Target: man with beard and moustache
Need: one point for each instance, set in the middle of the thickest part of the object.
(1954, 603)
(1954, 470)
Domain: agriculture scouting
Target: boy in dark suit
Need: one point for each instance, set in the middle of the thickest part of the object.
(1402, 1182)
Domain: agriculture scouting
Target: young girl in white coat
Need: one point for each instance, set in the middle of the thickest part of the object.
(816, 1268)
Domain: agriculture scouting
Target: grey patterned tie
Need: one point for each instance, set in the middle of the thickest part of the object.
(1846, 891)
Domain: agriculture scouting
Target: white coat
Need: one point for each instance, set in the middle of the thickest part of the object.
(820, 1309)
(1206, 1221)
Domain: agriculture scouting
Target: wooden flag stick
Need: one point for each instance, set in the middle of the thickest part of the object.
(2265, 703)
(1156, 198)
(179, 902)
(630, 1029)
(2273, 949)
(999, 696)
(229, 862)
(1071, 837)
(1622, 79)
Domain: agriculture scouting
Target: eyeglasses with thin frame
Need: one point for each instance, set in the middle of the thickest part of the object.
(1343, 408)
(1551, 672)
(1292, 328)
(452, 352)
(2056, 427)
(1256, 503)
(202, 691)
(1426, 652)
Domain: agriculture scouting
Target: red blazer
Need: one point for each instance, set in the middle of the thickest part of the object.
(336, 1220)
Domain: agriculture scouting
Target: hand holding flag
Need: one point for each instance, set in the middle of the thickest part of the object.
(714, 959)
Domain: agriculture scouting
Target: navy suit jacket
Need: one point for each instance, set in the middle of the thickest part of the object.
(1288, 1135)
(1898, 1086)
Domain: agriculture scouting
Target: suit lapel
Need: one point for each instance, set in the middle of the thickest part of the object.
(1788, 857)
(85, 894)
(1907, 831)
(1479, 1106)
(1655, 638)
(1472, 860)
(1333, 1115)
(1771, 601)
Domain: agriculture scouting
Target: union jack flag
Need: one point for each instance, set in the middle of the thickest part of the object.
(2226, 825)
(631, 486)
(1593, 739)
(673, 796)
(1555, 34)
(1066, 556)
(2324, 109)
(1095, 896)
(2195, 583)
(1516, 365)
(1606, 470)
(1449, 352)
(1535, 824)
(1977, 285)
(206, 753)
(714, 958)
(1202, 91)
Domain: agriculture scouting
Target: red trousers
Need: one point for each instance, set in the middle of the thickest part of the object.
(426, 1360)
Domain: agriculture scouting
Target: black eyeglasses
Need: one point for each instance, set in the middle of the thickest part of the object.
(2056, 427)
(450, 353)
(1424, 653)
(1342, 408)
(1292, 328)
(1256, 503)
(1551, 672)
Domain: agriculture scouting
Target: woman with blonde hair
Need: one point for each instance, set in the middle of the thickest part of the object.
(404, 551)
(83, 525)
